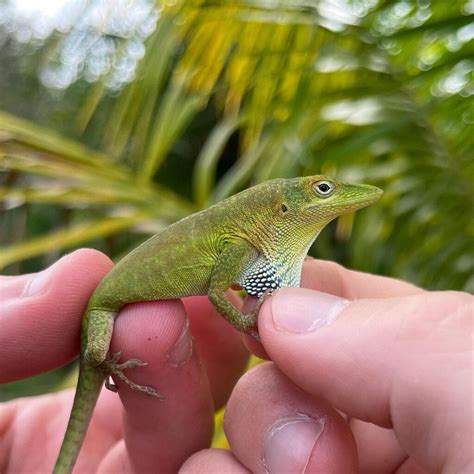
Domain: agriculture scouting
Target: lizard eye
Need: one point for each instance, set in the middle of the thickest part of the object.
(323, 188)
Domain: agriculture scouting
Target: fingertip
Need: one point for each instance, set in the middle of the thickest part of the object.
(213, 461)
(332, 347)
(153, 331)
(291, 317)
(301, 311)
(273, 426)
(158, 334)
(85, 266)
(91, 259)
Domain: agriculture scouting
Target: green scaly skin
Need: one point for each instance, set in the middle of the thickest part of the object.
(256, 239)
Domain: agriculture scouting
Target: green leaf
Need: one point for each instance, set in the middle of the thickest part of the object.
(174, 115)
(206, 162)
(66, 238)
(14, 129)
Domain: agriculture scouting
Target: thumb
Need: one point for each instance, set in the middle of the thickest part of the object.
(41, 313)
(396, 362)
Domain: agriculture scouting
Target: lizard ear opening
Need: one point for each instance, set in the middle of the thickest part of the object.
(284, 208)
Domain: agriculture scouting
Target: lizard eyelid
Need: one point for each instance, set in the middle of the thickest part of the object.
(324, 188)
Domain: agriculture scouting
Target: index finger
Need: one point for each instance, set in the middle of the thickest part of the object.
(161, 435)
(330, 277)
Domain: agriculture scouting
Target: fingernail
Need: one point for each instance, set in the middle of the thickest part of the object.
(300, 311)
(183, 347)
(290, 442)
(38, 284)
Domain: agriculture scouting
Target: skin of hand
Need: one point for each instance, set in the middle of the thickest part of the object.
(368, 374)
(40, 326)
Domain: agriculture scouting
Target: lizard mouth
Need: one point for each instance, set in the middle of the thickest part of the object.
(373, 194)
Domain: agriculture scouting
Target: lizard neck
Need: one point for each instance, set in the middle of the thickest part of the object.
(287, 254)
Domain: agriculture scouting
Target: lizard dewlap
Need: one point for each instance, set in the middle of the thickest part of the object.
(256, 239)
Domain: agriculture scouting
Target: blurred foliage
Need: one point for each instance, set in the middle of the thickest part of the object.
(373, 91)
(123, 117)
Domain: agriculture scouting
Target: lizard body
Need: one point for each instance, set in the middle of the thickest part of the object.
(256, 239)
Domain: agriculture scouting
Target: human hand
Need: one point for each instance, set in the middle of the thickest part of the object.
(376, 379)
(40, 326)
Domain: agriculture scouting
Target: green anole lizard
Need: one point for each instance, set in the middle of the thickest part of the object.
(256, 239)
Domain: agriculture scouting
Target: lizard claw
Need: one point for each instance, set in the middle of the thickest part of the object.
(112, 367)
(255, 335)
(110, 386)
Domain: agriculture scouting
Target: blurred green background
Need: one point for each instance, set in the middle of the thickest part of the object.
(118, 118)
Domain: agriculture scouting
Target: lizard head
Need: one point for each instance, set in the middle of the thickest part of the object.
(320, 199)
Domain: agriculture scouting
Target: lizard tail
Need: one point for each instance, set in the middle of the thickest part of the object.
(88, 389)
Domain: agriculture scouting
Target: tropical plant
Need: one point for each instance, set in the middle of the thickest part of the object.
(232, 93)
(243, 91)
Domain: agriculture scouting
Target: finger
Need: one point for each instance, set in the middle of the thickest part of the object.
(35, 426)
(272, 426)
(41, 322)
(410, 466)
(378, 448)
(378, 360)
(213, 461)
(116, 460)
(14, 286)
(330, 277)
(161, 435)
(220, 346)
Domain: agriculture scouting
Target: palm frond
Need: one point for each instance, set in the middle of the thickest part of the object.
(379, 94)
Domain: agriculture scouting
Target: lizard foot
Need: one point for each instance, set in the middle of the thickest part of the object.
(266, 294)
(112, 367)
(255, 335)
(253, 314)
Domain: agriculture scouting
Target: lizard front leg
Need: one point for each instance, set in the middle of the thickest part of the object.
(236, 257)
